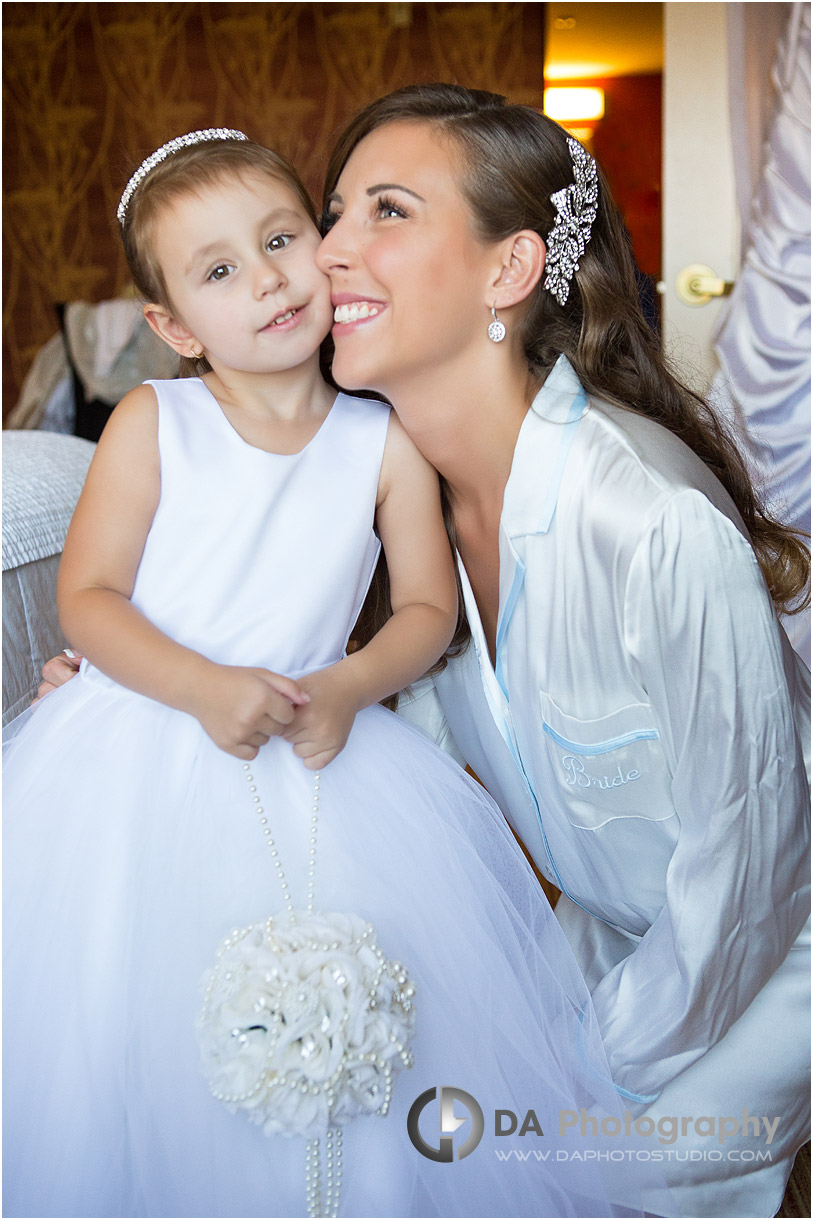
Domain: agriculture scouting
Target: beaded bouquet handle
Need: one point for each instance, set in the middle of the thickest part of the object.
(305, 1022)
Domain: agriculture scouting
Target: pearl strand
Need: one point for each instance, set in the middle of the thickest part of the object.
(266, 829)
(333, 1175)
(313, 1178)
(318, 1204)
(327, 1203)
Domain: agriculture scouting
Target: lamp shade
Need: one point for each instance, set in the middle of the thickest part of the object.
(573, 105)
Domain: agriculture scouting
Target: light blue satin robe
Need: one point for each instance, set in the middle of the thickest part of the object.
(644, 731)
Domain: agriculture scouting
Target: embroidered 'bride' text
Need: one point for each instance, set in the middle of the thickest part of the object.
(578, 777)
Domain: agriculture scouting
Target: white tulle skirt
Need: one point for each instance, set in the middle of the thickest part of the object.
(131, 848)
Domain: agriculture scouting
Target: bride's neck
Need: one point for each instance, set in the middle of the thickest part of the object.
(468, 430)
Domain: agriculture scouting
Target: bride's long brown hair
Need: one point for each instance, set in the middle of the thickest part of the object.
(514, 160)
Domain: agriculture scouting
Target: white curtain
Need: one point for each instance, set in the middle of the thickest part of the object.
(763, 338)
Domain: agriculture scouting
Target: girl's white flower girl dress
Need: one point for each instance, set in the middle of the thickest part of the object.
(132, 848)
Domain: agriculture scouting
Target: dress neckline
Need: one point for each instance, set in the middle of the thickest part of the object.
(256, 448)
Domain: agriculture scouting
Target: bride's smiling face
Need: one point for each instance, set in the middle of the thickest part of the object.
(410, 278)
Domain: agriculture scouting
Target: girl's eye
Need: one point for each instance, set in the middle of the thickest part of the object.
(220, 272)
(387, 208)
(278, 242)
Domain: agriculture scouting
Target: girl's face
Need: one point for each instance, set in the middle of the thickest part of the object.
(239, 268)
(411, 281)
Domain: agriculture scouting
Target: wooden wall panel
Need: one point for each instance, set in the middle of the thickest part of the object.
(89, 89)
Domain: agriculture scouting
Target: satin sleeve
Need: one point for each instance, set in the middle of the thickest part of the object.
(706, 646)
(420, 705)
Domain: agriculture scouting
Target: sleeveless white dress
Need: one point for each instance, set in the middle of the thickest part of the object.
(131, 849)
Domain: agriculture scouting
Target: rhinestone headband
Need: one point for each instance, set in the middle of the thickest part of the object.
(166, 150)
(576, 209)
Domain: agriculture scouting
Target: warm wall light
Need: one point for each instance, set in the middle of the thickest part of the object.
(583, 134)
(573, 105)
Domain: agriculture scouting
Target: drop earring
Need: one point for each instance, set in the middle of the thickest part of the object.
(496, 329)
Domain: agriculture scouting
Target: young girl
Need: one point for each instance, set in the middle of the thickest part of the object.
(166, 799)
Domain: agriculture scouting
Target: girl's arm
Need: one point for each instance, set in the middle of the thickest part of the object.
(239, 708)
(424, 607)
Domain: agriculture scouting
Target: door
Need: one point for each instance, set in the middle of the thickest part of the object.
(700, 216)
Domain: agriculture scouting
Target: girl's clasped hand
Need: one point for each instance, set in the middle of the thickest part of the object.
(243, 708)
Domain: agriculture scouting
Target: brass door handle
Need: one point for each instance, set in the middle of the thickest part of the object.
(697, 285)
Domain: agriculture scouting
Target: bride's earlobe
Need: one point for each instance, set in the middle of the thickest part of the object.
(522, 267)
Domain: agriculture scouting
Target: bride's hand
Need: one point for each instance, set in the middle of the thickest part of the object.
(58, 671)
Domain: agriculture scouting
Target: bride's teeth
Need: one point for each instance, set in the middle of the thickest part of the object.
(355, 311)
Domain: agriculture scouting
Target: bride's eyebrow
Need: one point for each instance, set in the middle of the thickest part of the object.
(394, 186)
(335, 197)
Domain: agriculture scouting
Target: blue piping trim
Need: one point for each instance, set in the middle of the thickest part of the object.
(644, 1099)
(600, 747)
(574, 415)
(580, 1046)
(508, 610)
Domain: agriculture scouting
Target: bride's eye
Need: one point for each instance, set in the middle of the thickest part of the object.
(278, 242)
(327, 220)
(387, 208)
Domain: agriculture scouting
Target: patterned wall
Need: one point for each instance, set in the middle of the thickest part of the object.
(89, 89)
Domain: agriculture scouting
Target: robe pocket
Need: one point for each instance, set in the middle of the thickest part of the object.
(611, 767)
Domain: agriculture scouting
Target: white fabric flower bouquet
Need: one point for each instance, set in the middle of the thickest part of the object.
(305, 1022)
